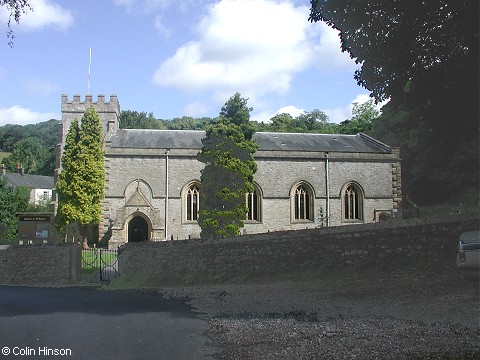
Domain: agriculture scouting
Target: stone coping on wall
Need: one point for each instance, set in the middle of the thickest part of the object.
(419, 245)
(392, 224)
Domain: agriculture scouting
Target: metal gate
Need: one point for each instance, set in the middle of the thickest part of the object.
(100, 264)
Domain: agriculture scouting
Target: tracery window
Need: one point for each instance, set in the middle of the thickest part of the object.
(192, 202)
(253, 203)
(302, 203)
(353, 203)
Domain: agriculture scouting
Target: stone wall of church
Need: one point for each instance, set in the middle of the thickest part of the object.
(108, 111)
(136, 183)
(276, 177)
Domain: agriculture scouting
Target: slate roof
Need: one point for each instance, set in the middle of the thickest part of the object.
(30, 181)
(267, 141)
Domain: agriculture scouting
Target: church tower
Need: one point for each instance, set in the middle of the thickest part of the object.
(109, 112)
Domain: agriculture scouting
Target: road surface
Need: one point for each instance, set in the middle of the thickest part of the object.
(86, 323)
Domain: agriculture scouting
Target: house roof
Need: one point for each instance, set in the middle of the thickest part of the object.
(267, 141)
(30, 181)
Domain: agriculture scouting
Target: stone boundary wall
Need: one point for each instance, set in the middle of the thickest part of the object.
(422, 245)
(40, 264)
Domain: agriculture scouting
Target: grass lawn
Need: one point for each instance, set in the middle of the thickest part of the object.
(94, 259)
(4, 155)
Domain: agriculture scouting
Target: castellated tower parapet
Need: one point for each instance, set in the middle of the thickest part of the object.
(109, 112)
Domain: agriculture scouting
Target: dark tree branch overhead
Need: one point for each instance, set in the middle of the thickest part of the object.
(424, 57)
(15, 9)
(398, 41)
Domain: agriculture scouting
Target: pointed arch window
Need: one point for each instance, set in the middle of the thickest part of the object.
(253, 202)
(302, 203)
(352, 203)
(192, 202)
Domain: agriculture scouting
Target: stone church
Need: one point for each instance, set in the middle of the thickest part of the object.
(153, 190)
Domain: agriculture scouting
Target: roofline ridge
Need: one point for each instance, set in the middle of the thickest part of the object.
(165, 130)
(374, 141)
(300, 133)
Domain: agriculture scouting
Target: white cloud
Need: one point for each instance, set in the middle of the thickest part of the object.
(290, 109)
(261, 116)
(337, 115)
(45, 13)
(143, 5)
(161, 28)
(22, 116)
(266, 115)
(363, 98)
(360, 99)
(328, 54)
(250, 46)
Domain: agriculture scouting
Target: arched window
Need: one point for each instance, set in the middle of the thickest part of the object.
(253, 202)
(192, 202)
(352, 202)
(302, 203)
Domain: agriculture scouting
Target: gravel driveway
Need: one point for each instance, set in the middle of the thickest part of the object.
(343, 316)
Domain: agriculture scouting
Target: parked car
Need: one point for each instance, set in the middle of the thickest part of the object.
(468, 256)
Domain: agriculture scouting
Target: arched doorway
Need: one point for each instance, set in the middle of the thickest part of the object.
(138, 230)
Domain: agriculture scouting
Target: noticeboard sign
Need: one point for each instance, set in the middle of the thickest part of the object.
(35, 218)
(35, 228)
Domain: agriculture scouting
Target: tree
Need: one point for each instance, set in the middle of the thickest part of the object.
(229, 168)
(81, 182)
(11, 201)
(68, 176)
(281, 122)
(30, 154)
(45, 132)
(313, 120)
(361, 121)
(15, 9)
(10, 135)
(135, 120)
(397, 44)
(188, 123)
(39, 148)
(424, 58)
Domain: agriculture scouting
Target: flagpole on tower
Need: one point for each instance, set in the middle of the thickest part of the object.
(89, 66)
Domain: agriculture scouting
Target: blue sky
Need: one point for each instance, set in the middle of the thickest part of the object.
(175, 58)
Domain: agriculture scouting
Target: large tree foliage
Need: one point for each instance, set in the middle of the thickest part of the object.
(423, 56)
(32, 146)
(68, 176)
(362, 120)
(398, 43)
(229, 168)
(315, 121)
(12, 200)
(188, 123)
(81, 182)
(10, 135)
(135, 120)
(30, 154)
(45, 132)
(15, 9)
